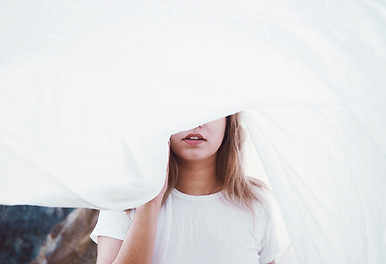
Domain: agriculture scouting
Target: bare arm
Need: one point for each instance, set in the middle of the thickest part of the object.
(139, 242)
(108, 249)
(138, 246)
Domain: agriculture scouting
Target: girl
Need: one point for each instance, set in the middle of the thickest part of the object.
(207, 212)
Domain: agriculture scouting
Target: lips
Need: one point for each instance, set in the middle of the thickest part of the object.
(194, 139)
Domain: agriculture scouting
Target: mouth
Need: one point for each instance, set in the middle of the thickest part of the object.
(194, 139)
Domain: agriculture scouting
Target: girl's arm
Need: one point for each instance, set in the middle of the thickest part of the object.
(138, 245)
(108, 249)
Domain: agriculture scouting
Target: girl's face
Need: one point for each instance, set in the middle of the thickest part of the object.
(199, 143)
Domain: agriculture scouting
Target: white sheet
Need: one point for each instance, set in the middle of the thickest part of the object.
(90, 92)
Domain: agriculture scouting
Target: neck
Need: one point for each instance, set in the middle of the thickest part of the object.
(197, 177)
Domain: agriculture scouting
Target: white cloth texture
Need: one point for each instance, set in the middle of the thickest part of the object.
(91, 91)
(202, 229)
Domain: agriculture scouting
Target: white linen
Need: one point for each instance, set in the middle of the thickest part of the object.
(90, 92)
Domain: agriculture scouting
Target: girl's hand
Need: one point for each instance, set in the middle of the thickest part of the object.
(156, 202)
(158, 199)
(160, 196)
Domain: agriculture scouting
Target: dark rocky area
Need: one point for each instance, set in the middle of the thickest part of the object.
(24, 229)
(69, 241)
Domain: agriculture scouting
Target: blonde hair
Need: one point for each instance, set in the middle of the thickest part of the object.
(236, 186)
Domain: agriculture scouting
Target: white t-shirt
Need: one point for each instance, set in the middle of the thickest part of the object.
(202, 229)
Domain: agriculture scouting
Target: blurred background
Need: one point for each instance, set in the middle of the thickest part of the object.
(34, 234)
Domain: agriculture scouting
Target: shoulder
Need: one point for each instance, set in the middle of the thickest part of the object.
(113, 216)
(260, 190)
(113, 224)
(263, 202)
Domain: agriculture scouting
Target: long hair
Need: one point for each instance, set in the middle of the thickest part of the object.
(236, 186)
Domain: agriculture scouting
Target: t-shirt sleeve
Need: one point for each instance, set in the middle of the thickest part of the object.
(114, 224)
(270, 245)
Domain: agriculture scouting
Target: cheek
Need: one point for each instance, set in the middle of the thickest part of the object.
(218, 141)
(217, 130)
(174, 142)
(177, 145)
(216, 144)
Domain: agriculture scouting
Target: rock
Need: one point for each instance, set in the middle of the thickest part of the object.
(69, 242)
(23, 229)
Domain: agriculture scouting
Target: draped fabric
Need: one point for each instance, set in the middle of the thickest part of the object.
(91, 91)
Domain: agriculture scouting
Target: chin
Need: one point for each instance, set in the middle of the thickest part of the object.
(198, 157)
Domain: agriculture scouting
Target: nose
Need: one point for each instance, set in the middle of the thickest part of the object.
(199, 127)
